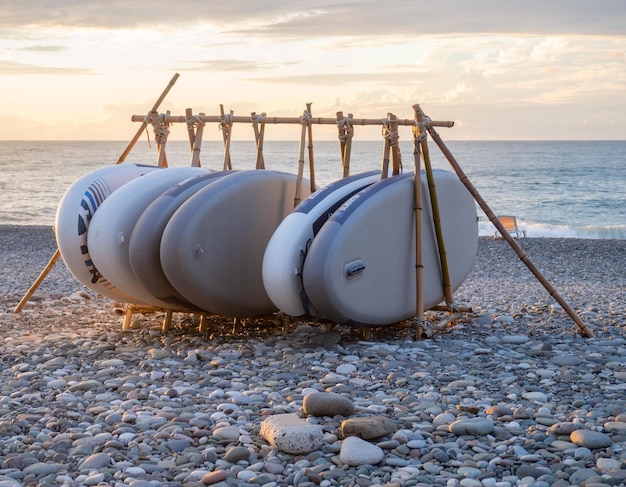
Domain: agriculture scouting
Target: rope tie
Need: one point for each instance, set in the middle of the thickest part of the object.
(422, 128)
(196, 121)
(161, 127)
(257, 119)
(306, 118)
(348, 130)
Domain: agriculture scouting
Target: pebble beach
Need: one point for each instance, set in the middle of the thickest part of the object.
(511, 395)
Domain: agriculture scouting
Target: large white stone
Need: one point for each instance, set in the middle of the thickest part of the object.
(291, 434)
(355, 451)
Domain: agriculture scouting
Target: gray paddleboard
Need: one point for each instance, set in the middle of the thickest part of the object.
(144, 249)
(360, 268)
(212, 247)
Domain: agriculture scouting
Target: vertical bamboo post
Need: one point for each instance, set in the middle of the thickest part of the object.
(197, 144)
(417, 195)
(161, 132)
(143, 126)
(310, 148)
(345, 141)
(298, 196)
(386, 147)
(190, 128)
(348, 146)
(506, 235)
(396, 162)
(258, 138)
(443, 256)
(226, 125)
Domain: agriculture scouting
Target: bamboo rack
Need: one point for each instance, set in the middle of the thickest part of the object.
(421, 126)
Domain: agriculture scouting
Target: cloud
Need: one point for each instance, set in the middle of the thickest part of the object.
(286, 19)
(13, 68)
(49, 48)
(222, 65)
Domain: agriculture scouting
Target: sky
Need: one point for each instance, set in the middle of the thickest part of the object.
(501, 70)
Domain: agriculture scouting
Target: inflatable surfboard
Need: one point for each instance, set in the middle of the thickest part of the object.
(144, 248)
(73, 218)
(212, 247)
(112, 226)
(360, 268)
(286, 250)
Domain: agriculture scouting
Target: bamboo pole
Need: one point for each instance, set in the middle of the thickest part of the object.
(341, 129)
(417, 196)
(197, 144)
(506, 235)
(258, 138)
(161, 131)
(190, 128)
(384, 172)
(432, 189)
(298, 196)
(53, 260)
(144, 123)
(407, 122)
(226, 123)
(396, 161)
(309, 128)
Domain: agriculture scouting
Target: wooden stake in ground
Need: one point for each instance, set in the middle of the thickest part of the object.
(506, 235)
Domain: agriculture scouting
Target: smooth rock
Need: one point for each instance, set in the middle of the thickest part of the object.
(292, 434)
(367, 428)
(591, 439)
(327, 404)
(355, 451)
(471, 426)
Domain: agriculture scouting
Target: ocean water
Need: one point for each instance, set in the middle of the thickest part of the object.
(556, 189)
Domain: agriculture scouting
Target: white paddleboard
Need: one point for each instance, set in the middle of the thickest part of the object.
(212, 247)
(73, 219)
(360, 269)
(144, 248)
(286, 251)
(112, 226)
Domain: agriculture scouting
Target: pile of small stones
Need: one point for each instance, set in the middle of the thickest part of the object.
(512, 394)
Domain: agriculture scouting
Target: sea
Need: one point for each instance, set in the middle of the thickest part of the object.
(564, 189)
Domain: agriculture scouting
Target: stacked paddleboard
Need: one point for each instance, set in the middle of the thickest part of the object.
(175, 238)
(231, 243)
(359, 267)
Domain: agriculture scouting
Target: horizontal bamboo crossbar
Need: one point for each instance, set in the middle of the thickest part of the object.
(287, 120)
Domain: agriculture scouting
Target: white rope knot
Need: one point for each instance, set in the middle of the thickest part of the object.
(226, 120)
(256, 119)
(306, 118)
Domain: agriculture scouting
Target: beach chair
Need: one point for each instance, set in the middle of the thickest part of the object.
(509, 222)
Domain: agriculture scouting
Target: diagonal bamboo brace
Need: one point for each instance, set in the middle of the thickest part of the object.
(507, 236)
